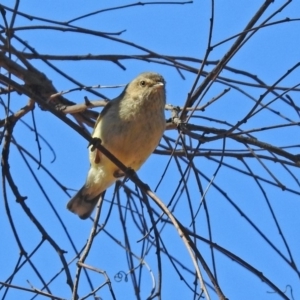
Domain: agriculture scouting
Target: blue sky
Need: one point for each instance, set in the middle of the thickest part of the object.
(180, 30)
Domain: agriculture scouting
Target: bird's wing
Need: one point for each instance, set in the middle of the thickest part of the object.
(102, 113)
(106, 108)
(98, 154)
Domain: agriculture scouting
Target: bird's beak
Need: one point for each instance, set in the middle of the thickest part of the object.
(158, 85)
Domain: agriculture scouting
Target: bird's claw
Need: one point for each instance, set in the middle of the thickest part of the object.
(118, 174)
(94, 143)
(129, 173)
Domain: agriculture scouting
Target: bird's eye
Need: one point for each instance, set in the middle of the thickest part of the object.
(143, 83)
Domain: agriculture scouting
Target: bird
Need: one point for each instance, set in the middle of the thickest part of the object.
(130, 127)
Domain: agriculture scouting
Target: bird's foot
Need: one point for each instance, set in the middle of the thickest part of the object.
(118, 174)
(94, 143)
(129, 173)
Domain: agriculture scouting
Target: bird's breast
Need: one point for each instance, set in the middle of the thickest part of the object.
(131, 132)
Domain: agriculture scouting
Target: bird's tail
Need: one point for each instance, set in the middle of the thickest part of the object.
(83, 203)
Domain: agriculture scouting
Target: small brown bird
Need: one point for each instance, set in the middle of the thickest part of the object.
(130, 127)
